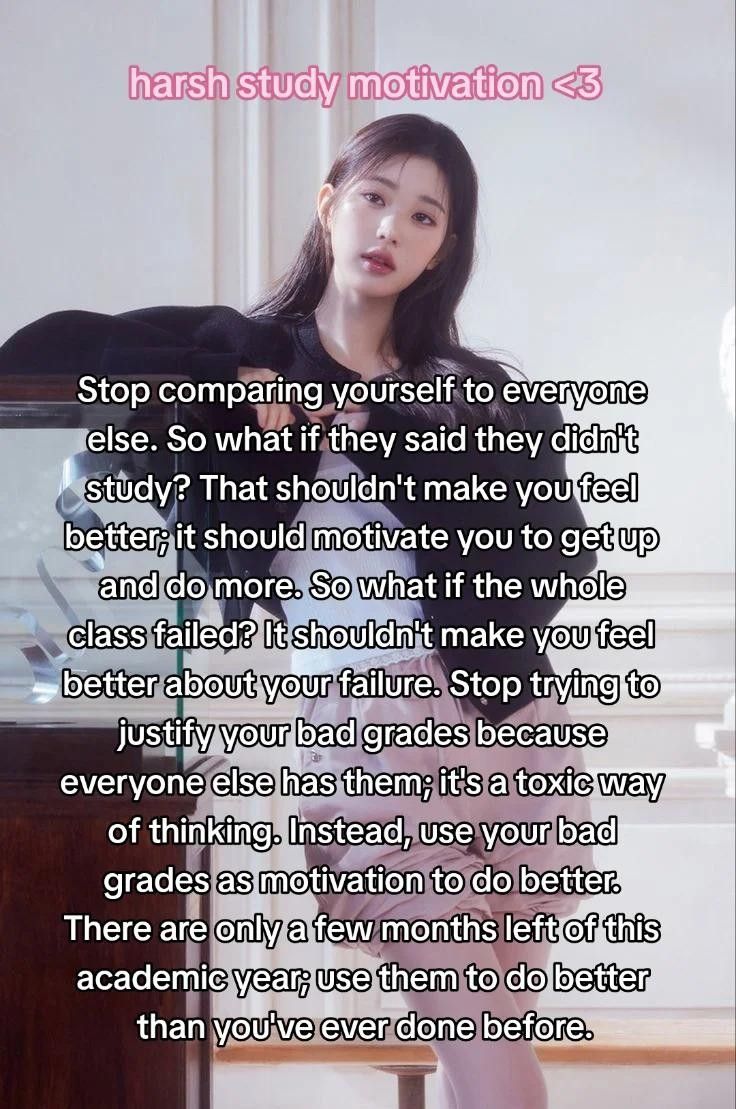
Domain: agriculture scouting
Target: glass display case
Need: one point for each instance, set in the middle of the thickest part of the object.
(90, 579)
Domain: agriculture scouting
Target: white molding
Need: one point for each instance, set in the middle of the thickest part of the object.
(242, 157)
(683, 616)
(696, 602)
(682, 783)
(664, 583)
(682, 695)
(346, 43)
(696, 609)
(247, 195)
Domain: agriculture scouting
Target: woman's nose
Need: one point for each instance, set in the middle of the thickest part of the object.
(387, 229)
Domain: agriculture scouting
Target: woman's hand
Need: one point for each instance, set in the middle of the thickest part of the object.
(271, 417)
(329, 410)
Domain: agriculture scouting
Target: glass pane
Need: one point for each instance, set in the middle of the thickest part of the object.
(76, 624)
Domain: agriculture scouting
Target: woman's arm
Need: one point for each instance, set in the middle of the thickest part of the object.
(205, 343)
(555, 515)
(509, 466)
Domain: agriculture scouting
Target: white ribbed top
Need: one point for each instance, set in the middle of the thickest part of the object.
(354, 610)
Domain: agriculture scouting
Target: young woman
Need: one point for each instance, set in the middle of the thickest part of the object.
(374, 290)
(372, 298)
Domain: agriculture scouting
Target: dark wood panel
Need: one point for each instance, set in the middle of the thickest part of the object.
(61, 1047)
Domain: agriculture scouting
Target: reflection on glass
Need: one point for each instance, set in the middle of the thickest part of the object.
(61, 622)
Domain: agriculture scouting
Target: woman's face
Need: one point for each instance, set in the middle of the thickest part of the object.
(397, 213)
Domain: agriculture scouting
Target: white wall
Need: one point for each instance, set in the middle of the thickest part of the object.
(609, 225)
(108, 204)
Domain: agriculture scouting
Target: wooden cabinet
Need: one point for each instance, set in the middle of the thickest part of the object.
(62, 1048)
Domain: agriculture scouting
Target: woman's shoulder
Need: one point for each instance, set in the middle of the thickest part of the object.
(466, 365)
(510, 408)
(156, 338)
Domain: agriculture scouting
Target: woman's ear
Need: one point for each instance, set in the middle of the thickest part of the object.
(442, 253)
(324, 203)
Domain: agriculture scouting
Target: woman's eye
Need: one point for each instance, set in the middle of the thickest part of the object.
(426, 217)
(375, 196)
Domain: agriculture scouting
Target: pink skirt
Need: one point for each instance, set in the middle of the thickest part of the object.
(427, 760)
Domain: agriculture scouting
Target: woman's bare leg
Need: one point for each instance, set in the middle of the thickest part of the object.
(479, 1074)
(510, 954)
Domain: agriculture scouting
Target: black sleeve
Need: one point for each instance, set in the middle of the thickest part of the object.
(556, 515)
(205, 343)
(510, 466)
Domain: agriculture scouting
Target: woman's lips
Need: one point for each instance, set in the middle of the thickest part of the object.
(375, 265)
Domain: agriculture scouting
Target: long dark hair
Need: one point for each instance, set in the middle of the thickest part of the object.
(423, 329)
